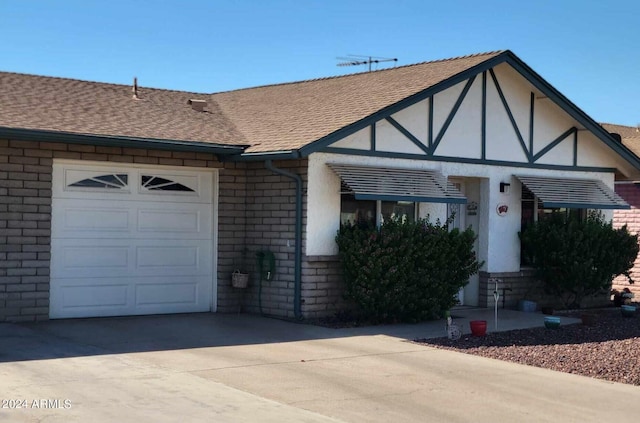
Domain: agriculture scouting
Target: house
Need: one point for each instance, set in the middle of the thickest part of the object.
(630, 192)
(127, 200)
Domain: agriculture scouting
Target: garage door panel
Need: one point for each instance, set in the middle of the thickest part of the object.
(96, 219)
(87, 258)
(88, 297)
(111, 297)
(158, 221)
(183, 257)
(95, 258)
(154, 294)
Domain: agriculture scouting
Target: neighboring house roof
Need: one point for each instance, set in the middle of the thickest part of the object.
(299, 117)
(630, 135)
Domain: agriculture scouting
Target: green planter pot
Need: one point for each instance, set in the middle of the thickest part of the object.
(551, 322)
(628, 310)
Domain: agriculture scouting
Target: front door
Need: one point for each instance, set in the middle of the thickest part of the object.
(464, 216)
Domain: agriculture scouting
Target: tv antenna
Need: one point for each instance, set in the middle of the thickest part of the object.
(357, 60)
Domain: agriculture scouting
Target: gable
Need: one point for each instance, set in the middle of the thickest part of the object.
(495, 117)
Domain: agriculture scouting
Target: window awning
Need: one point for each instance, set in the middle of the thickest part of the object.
(395, 184)
(573, 193)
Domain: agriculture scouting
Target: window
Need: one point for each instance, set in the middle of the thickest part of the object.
(112, 181)
(374, 212)
(156, 183)
(534, 210)
(404, 210)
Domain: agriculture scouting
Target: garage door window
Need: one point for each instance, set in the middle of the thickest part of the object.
(156, 183)
(112, 181)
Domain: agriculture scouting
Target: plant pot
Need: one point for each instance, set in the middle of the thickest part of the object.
(239, 279)
(527, 306)
(628, 310)
(551, 322)
(478, 327)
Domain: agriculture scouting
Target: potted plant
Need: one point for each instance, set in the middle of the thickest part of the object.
(478, 327)
(628, 310)
(239, 277)
(551, 322)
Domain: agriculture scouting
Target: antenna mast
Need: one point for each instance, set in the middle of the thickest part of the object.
(356, 60)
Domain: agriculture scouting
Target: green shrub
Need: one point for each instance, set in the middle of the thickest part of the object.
(405, 271)
(576, 259)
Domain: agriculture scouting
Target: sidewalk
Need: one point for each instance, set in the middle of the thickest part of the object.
(507, 320)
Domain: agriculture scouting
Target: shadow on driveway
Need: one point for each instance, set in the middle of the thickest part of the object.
(114, 335)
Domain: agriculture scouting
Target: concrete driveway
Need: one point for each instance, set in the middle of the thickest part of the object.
(240, 368)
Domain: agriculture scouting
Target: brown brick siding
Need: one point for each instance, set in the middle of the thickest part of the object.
(25, 217)
(631, 194)
(269, 226)
(323, 286)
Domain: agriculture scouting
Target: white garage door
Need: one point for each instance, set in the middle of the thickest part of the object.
(130, 240)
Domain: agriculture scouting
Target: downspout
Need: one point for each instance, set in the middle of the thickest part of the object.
(298, 236)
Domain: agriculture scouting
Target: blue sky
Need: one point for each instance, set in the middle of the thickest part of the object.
(589, 50)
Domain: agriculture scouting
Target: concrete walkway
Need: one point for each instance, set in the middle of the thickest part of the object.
(241, 368)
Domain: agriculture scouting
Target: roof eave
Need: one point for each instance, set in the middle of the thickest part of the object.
(265, 155)
(22, 134)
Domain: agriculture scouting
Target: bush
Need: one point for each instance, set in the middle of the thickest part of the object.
(576, 259)
(405, 271)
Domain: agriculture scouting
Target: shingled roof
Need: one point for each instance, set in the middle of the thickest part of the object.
(271, 118)
(290, 116)
(630, 135)
(92, 108)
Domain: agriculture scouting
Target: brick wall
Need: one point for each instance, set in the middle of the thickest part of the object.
(631, 194)
(269, 226)
(322, 286)
(25, 217)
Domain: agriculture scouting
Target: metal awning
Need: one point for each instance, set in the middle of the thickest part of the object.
(396, 184)
(573, 193)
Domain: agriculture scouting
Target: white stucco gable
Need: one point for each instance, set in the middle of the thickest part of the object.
(496, 116)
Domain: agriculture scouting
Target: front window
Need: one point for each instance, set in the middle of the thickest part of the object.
(533, 210)
(354, 211)
(374, 212)
(403, 210)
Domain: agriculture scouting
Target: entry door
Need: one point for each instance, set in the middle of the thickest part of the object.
(130, 240)
(467, 215)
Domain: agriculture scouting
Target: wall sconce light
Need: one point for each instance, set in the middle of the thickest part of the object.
(505, 187)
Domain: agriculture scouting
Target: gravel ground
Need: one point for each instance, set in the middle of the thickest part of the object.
(610, 349)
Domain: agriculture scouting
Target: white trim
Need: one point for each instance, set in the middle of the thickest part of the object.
(214, 239)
